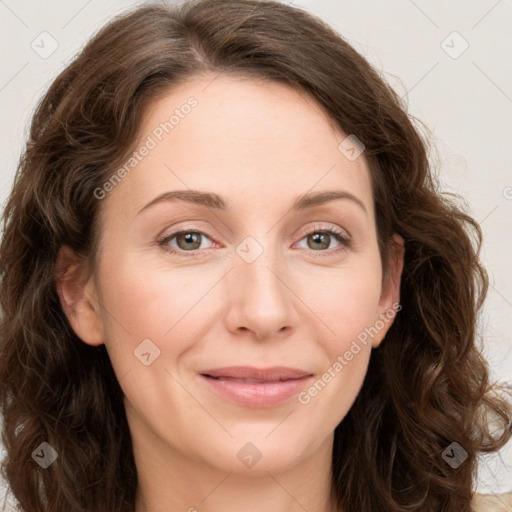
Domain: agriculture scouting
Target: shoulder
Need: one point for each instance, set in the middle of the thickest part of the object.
(492, 502)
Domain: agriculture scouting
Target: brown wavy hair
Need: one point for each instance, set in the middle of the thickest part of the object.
(427, 384)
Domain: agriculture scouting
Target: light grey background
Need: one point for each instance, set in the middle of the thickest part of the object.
(464, 97)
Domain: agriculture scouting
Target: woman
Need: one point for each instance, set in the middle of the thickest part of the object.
(230, 283)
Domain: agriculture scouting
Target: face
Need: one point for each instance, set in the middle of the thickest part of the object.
(263, 271)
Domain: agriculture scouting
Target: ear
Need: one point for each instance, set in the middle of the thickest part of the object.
(389, 303)
(78, 297)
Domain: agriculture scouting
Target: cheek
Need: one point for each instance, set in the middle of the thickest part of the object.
(163, 305)
(346, 300)
(348, 310)
(148, 303)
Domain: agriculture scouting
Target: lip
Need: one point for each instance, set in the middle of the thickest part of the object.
(256, 387)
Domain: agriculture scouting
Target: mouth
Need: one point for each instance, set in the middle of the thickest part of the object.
(253, 387)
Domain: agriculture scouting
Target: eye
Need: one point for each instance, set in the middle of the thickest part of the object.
(322, 238)
(191, 241)
(185, 241)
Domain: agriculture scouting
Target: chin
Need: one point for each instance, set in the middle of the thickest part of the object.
(262, 453)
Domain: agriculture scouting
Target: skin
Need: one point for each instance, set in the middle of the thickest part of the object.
(259, 146)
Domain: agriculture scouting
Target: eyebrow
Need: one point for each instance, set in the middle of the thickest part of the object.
(212, 200)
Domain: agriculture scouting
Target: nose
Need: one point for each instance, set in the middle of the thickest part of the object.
(261, 298)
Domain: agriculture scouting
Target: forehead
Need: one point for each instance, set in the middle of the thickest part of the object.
(245, 139)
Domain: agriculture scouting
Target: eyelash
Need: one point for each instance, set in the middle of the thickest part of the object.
(339, 236)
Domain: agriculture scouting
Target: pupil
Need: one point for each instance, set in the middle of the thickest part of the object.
(319, 237)
(191, 238)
